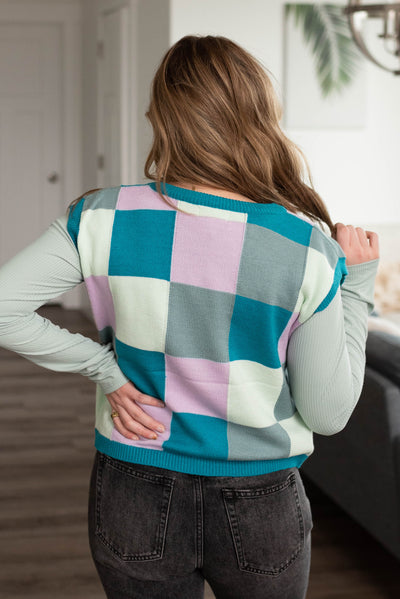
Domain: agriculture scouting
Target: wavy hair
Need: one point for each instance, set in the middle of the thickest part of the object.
(215, 118)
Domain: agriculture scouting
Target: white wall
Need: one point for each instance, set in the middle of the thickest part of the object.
(153, 26)
(254, 24)
(149, 39)
(89, 95)
(355, 171)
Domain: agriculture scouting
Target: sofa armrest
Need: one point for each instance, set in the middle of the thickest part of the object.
(375, 422)
(383, 354)
(359, 467)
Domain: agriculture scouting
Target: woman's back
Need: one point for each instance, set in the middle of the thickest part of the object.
(199, 303)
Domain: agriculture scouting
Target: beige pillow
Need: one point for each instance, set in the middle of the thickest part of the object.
(387, 288)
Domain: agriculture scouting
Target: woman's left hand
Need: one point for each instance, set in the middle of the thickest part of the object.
(132, 421)
(358, 245)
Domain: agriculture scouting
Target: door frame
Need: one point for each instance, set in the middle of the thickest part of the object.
(68, 17)
(127, 159)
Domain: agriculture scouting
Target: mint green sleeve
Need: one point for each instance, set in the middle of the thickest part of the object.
(41, 272)
(326, 354)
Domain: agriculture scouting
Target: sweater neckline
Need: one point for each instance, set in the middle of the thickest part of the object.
(207, 199)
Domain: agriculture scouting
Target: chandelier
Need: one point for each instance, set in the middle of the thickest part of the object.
(364, 19)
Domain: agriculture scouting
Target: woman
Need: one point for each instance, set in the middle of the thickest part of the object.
(232, 327)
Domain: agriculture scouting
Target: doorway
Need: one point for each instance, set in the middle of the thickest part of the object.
(31, 130)
(40, 120)
(113, 96)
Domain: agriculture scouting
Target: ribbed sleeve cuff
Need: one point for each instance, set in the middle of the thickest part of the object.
(360, 282)
(113, 381)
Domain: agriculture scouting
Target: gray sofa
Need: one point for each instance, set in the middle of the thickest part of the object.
(359, 468)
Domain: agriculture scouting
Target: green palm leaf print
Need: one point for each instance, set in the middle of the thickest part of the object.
(326, 32)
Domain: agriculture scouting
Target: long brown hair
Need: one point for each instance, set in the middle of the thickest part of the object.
(215, 118)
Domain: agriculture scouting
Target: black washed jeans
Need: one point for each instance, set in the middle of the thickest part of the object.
(157, 534)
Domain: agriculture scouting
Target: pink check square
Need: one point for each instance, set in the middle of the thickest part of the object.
(197, 386)
(206, 252)
(142, 197)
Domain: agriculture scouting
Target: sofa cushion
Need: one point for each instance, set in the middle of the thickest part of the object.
(383, 354)
(376, 323)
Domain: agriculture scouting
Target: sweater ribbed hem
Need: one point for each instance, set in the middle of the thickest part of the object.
(192, 465)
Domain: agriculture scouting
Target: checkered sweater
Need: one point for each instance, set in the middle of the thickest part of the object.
(199, 304)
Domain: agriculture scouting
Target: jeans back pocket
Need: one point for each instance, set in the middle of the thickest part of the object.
(132, 510)
(267, 525)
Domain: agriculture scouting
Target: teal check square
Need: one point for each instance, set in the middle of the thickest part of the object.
(255, 331)
(200, 435)
(146, 369)
(141, 243)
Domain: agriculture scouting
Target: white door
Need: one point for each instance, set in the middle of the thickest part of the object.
(31, 178)
(113, 96)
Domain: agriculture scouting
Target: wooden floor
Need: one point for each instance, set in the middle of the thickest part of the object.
(46, 453)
